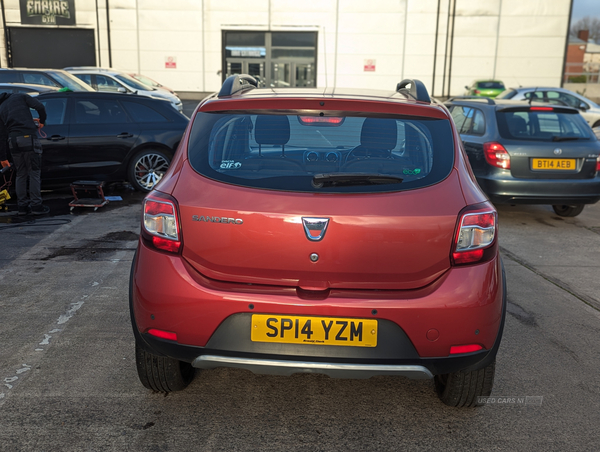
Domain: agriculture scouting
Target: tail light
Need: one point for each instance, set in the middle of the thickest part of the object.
(496, 155)
(598, 164)
(161, 223)
(321, 120)
(476, 91)
(476, 236)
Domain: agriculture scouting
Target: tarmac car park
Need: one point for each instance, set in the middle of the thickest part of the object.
(321, 232)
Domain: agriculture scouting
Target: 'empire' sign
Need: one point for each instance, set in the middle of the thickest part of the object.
(48, 12)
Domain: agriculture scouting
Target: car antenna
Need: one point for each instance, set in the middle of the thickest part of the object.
(532, 95)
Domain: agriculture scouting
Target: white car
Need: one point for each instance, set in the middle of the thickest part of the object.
(588, 109)
(113, 80)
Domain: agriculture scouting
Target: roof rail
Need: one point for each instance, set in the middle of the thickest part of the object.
(417, 90)
(237, 82)
(487, 99)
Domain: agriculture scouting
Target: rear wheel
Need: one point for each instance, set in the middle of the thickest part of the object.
(568, 211)
(160, 373)
(147, 168)
(462, 389)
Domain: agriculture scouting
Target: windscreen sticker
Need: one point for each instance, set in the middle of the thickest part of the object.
(230, 164)
(413, 172)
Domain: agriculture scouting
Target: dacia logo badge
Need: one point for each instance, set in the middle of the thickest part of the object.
(315, 228)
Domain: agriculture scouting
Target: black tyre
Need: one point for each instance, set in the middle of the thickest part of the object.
(568, 211)
(160, 373)
(596, 124)
(462, 389)
(147, 168)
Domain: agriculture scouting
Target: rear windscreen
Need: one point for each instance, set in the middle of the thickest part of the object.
(542, 125)
(313, 153)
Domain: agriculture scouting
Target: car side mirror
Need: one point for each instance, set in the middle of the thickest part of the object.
(583, 106)
(466, 87)
(122, 90)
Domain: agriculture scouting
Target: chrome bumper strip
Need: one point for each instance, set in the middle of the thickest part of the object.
(334, 370)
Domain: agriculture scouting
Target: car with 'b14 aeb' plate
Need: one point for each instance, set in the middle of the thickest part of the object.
(530, 153)
(108, 137)
(307, 230)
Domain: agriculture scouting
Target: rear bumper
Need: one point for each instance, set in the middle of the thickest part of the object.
(510, 190)
(213, 322)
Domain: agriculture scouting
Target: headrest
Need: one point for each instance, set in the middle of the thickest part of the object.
(379, 133)
(271, 129)
(517, 125)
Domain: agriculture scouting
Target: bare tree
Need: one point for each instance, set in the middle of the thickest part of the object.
(592, 24)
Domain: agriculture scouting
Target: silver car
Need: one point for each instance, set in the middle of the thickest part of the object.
(588, 109)
(113, 80)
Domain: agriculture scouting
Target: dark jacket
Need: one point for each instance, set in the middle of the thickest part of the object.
(16, 119)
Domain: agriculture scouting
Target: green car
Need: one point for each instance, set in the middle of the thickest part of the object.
(485, 88)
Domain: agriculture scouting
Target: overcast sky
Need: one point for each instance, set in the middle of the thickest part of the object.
(582, 8)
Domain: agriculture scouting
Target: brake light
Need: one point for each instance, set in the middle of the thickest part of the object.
(496, 155)
(541, 109)
(164, 334)
(476, 91)
(476, 233)
(161, 222)
(458, 349)
(598, 164)
(321, 120)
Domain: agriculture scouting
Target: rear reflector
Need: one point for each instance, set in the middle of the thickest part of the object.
(496, 155)
(458, 349)
(164, 334)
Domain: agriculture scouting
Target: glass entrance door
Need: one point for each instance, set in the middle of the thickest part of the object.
(279, 59)
(250, 66)
(291, 73)
(281, 75)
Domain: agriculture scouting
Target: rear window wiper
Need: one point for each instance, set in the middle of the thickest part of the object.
(347, 179)
(557, 138)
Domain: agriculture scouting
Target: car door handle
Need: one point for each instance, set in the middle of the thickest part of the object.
(56, 138)
(124, 135)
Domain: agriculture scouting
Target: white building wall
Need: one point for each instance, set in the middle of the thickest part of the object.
(521, 42)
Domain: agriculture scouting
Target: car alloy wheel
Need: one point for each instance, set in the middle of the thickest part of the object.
(147, 169)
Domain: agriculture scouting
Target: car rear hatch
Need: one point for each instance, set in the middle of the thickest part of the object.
(354, 201)
(548, 142)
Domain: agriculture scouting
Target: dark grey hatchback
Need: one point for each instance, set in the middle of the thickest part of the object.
(528, 153)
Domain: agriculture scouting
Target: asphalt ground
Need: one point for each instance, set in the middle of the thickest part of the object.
(67, 367)
(69, 383)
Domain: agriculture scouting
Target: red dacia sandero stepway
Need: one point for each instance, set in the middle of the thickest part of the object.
(329, 231)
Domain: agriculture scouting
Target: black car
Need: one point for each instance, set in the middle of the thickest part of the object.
(28, 88)
(49, 77)
(530, 153)
(108, 137)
